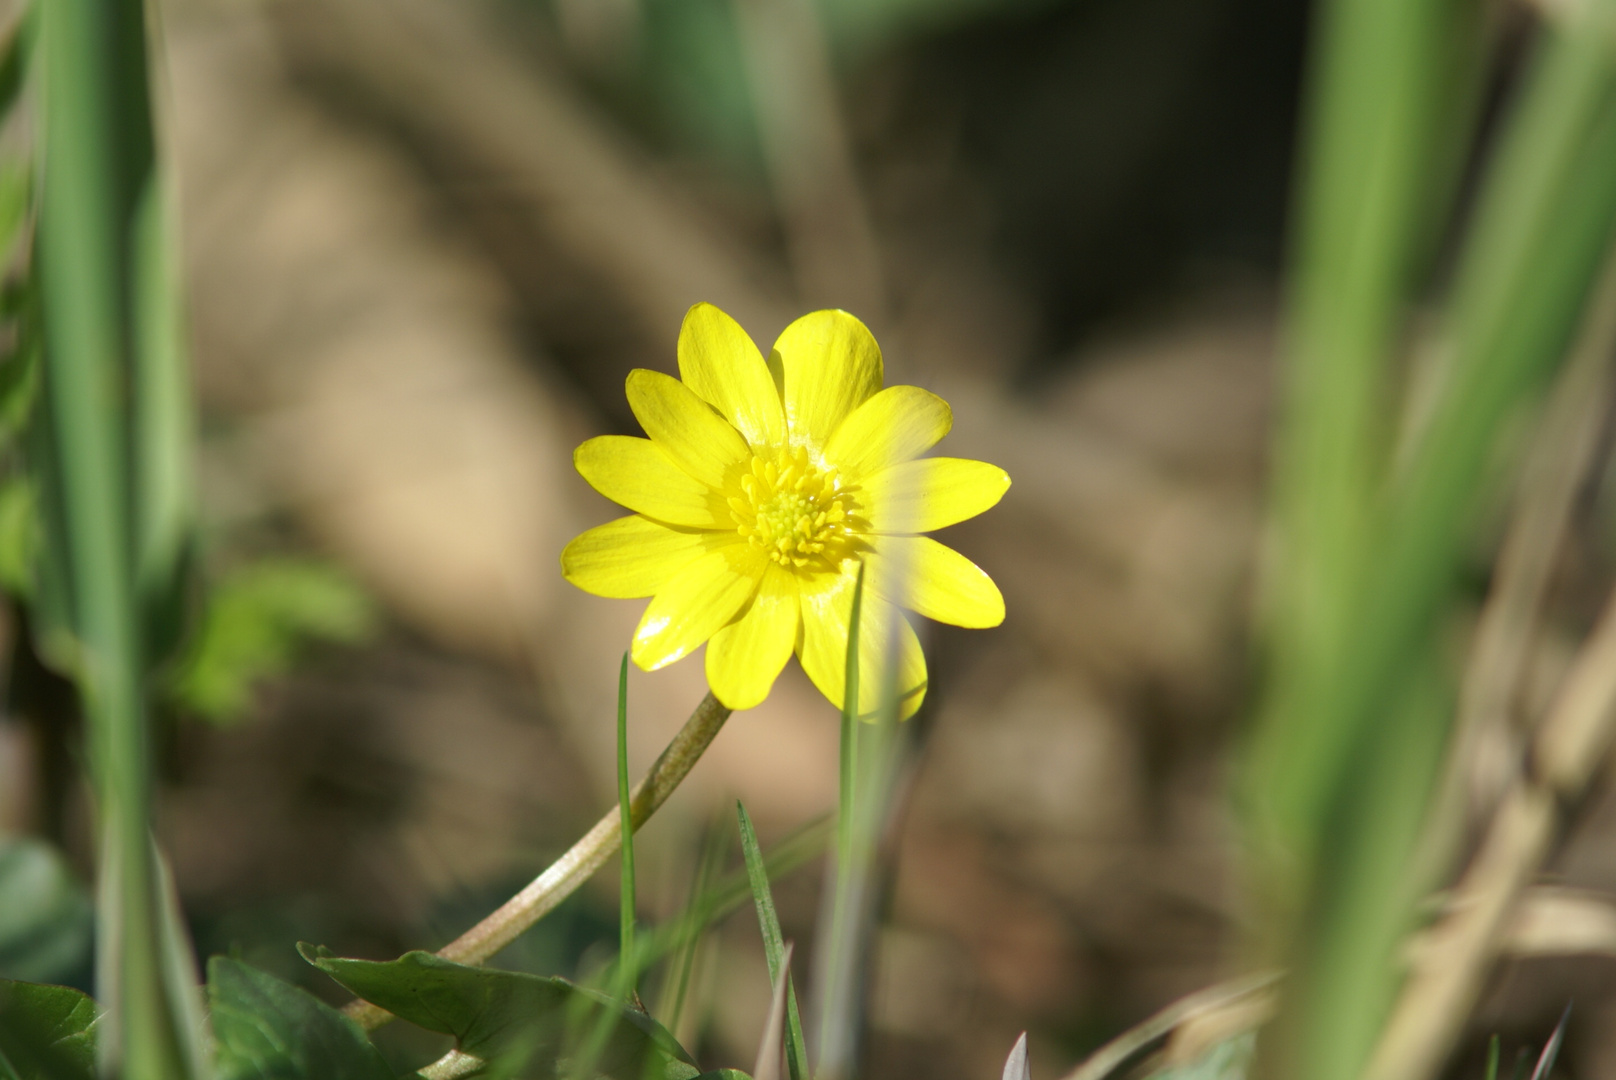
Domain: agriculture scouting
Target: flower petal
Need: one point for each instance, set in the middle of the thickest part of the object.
(938, 582)
(638, 474)
(700, 441)
(721, 364)
(831, 365)
(699, 600)
(745, 657)
(826, 608)
(632, 556)
(899, 423)
(932, 493)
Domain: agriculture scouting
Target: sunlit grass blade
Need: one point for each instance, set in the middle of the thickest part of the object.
(775, 948)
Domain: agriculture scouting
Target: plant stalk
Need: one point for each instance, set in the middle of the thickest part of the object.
(563, 877)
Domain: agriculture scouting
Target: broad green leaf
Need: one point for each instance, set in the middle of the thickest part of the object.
(46, 1033)
(46, 918)
(271, 1030)
(527, 1026)
(256, 620)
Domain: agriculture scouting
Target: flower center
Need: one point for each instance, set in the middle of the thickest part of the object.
(799, 514)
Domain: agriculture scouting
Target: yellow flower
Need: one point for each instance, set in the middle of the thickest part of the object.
(762, 488)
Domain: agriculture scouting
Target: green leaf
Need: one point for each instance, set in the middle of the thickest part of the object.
(46, 1033)
(256, 620)
(19, 536)
(46, 918)
(724, 1074)
(267, 1029)
(16, 201)
(526, 1026)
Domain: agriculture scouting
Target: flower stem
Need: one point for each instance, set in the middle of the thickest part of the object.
(566, 874)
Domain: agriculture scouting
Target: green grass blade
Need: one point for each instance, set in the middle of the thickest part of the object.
(1491, 1072)
(626, 970)
(99, 168)
(1380, 79)
(774, 946)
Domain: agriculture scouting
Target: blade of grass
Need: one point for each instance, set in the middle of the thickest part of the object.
(1551, 1049)
(833, 964)
(775, 948)
(1543, 226)
(1491, 1072)
(627, 974)
(870, 782)
(99, 168)
(1377, 86)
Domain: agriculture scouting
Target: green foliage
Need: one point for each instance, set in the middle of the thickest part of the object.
(774, 946)
(46, 919)
(527, 1026)
(1355, 715)
(46, 1033)
(267, 1029)
(19, 536)
(256, 621)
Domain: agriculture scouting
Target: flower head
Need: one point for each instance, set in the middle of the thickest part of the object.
(762, 489)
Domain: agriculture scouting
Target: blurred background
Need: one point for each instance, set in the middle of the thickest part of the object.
(425, 242)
